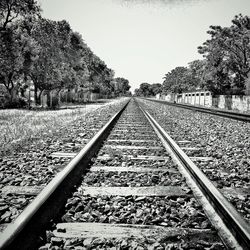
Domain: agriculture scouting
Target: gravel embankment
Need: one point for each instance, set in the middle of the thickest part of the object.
(175, 210)
(31, 164)
(225, 140)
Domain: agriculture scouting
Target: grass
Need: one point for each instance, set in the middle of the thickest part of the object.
(20, 126)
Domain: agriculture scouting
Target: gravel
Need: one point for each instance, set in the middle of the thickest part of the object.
(224, 139)
(31, 164)
(179, 212)
(132, 179)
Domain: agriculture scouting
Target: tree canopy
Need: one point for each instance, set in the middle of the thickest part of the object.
(121, 85)
(179, 79)
(147, 89)
(225, 68)
(227, 55)
(48, 54)
(11, 10)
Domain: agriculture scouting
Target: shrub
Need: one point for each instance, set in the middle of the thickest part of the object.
(18, 102)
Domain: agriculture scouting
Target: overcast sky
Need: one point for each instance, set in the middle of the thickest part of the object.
(144, 39)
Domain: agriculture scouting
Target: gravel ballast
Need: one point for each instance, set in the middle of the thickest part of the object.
(225, 140)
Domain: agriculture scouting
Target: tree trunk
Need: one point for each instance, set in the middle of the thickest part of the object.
(39, 97)
(37, 100)
(247, 83)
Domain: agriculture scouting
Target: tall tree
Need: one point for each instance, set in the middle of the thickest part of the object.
(52, 69)
(145, 90)
(178, 80)
(121, 86)
(228, 56)
(17, 49)
(156, 88)
(17, 53)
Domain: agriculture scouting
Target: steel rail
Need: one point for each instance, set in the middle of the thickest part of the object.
(232, 219)
(24, 231)
(223, 113)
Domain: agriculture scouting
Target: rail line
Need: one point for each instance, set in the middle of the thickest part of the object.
(124, 184)
(223, 113)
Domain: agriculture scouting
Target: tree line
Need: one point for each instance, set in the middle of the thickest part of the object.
(224, 69)
(47, 54)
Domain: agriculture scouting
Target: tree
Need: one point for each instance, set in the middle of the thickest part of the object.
(57, 60)
(156, 88)
(228, 56)
(47, 52)
(137, 92)
(178, 80)
(197, 69)
(17, 53)
(145, 90)
(121, 86)
(12, 10)
(17, 49)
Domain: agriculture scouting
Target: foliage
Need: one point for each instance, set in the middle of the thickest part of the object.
(227, 54)
(17, 53)
(18, 102)
(52, 68)
(145, 90)
(47, 54)
(17, 48)
(11, 10)
(225, 68)
(121, 86)
(178, 80)
(156, 88)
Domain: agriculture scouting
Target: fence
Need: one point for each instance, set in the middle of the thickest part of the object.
(205, 98)
(56, 98)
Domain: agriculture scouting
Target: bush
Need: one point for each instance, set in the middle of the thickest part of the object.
(18, 102)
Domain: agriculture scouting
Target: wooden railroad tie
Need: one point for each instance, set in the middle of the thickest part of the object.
(130, 157)
(104, 230)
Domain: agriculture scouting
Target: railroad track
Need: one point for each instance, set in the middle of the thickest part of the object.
(130, 186)
(223, 113)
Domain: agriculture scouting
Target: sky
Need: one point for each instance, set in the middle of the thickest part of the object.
(142, 40)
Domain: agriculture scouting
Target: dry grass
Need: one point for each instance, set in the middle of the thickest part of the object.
(17, 126)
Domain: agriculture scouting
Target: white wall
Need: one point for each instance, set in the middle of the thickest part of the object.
(204, 98)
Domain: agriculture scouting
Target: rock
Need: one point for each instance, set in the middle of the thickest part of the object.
(79, 248)
(67, 218)
(5, 217)
(133, 244)
(87, 242)
(139, 213)
(139, 248)
(103, 218)
(67, 243)
(112, 219)
(107, 208)
(56, 241)
(155, 178)
(45, 247)
(140, 198)
(98, 241)
(216, 246)
(124, 243)
(204, 224)
(4, 208)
